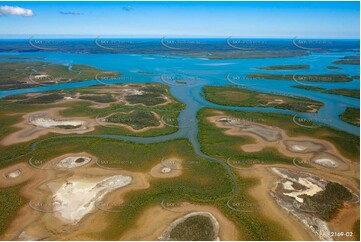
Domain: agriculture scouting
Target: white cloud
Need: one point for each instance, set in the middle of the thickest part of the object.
(7, 10)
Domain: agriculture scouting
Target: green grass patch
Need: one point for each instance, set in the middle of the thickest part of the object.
(351, 115)
(195, 228)
(355, 93)
(10, 203)
(303, 77)
(285, 67)
(231, 96)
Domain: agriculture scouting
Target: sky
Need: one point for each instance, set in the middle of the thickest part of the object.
(208, 19)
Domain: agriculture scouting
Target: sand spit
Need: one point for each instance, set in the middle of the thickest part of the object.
(37, 124)
(166, 234)
(76, 198)
(155, 220)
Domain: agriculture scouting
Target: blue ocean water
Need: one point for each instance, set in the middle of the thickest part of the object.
(201, 71)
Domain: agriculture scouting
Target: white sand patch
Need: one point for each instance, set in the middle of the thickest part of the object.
(133, 92)
(14, 174)
(40, 76)
(311, 190)
(76, 198)
(166, 170)
(303, 146)
(310, 184)
(224, 120)
(74, 161)
(288, 186)
(326, 162)
(50, 123)
(26, 237)
(329, 161)
(298, 148)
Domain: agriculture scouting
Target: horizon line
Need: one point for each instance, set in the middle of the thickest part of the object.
(87, 36)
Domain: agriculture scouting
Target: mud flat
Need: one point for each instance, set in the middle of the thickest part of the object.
(270, 209)
(64, 203)
(318, 153)
(76, 198)
(329, 161)
(155, 220)
(167, 234)
(303, 146)
(15, 174)
(267, 133)
(37, 124)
